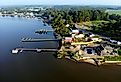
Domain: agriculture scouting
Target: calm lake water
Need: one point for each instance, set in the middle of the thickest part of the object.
(42, 67)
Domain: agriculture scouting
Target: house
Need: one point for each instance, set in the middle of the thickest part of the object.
(113, 41)
(79, 36)
(75, 31)
(95, 39)
(68, 39)
(92, 35)
(67, 25)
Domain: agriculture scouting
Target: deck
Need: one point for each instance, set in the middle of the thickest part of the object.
(38, 40)
(44, 31)
(17, 50)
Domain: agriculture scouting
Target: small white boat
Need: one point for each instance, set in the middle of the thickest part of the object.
(119, 43)
(14, 51)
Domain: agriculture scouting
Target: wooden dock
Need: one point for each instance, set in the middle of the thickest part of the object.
(17, 50)
(38, 40)
(44, 31)
(48, 30)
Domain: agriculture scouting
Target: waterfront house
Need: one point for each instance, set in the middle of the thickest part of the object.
(68, 39)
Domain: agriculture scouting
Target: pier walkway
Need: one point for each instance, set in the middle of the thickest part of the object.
(38, 40)
(44, 31)
(17, 50)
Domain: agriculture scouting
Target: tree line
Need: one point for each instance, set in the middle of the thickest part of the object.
(59, 18)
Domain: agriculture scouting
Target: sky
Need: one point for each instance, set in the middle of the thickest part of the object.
(60, 2)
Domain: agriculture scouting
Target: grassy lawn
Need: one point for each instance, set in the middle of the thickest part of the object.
(100, 21)
(92, 22)
(85, 23)
(114, 12)
(110, 58)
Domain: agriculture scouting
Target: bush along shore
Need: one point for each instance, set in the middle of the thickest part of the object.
(106, 60)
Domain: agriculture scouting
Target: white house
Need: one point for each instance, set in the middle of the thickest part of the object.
(75, 31)
(67, 25)
(92, 35)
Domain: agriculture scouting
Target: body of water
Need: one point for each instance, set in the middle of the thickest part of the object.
(42, 67)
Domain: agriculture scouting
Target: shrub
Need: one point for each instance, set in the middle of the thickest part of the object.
(119, 51)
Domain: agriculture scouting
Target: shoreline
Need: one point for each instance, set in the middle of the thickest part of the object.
(86, 60)
(91, 61)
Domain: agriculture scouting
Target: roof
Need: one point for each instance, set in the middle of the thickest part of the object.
(75, 31)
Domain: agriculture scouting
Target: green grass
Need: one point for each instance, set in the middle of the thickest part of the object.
(93, 22)
(118, 12)
(119, 52)
(110, 58)
(100, 21)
